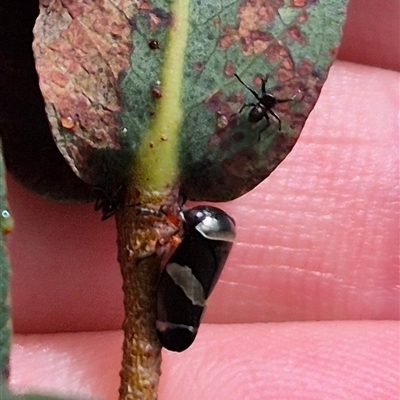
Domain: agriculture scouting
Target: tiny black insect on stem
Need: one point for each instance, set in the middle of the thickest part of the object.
(106, 202)
(264, 106)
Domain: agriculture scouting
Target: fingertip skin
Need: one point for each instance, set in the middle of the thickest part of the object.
(337, 360)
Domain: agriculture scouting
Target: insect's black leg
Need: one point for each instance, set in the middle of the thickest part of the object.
(100, 193)
(265, 127)
(102, 198)
(267, 118)
(98, 204)
(277, 118)
(255, 94)
(119, 188)
(263, 85)
(107, 214)
(246, 105)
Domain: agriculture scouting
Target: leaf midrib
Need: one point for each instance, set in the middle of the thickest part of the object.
(155, 167)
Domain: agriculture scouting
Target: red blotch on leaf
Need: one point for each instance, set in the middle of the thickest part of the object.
(229, 69)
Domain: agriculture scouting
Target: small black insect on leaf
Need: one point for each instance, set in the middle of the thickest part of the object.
(153, 44)
(264, 106)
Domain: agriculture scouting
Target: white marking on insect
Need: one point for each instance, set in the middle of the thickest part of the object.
(184, 278)
(163, 326)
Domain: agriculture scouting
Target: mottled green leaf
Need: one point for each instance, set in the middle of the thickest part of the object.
(146, 91)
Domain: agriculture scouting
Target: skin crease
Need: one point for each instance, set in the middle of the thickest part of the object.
(317, 241)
